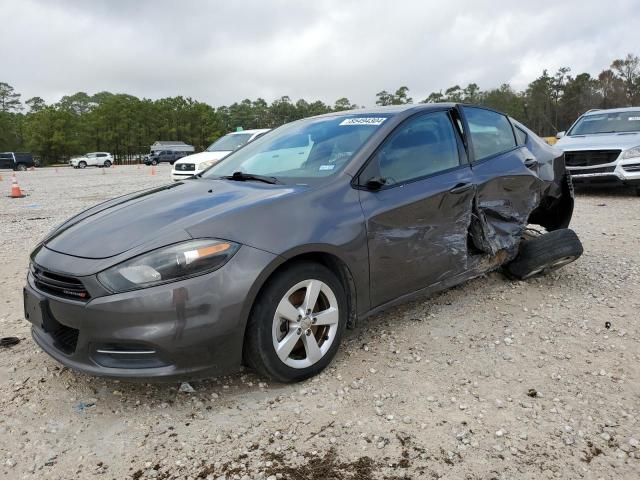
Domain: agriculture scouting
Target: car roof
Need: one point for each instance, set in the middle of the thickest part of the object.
(393, 109)
(611, 110)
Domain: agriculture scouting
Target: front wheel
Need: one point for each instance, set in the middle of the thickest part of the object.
(297, 323)
(545, 253)
(154, 162)
(82, 165)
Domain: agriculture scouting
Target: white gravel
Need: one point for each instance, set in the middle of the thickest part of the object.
(494, 379)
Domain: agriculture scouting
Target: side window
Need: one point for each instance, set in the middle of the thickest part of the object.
(421, 146)
(490, 132)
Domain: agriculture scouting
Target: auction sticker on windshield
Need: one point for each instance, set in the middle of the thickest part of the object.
(363, 121)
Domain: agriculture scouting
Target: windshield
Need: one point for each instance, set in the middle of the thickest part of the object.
(229, 142)
(309, 148)
(615, 122)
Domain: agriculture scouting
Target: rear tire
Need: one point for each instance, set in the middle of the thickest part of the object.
(21, 167)
(545, 253)
(107, 164)
(307, 338)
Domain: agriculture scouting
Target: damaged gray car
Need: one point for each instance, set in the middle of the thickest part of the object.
(265, 258)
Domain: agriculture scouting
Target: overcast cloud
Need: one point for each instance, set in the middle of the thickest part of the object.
(221, 52)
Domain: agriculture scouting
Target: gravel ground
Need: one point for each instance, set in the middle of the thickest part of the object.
(492, 379)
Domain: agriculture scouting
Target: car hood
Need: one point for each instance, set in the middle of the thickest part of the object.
(600, 141)
(160, 216)
(203, 157)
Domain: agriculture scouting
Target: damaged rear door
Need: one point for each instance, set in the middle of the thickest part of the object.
(508, 188)
(416, 193)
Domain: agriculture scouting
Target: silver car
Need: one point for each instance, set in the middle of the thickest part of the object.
(603, 147)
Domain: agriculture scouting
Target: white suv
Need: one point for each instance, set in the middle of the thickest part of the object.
(94, 159)
(198, 162)
(603, 147)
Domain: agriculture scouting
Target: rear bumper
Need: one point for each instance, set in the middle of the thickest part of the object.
(188, 329)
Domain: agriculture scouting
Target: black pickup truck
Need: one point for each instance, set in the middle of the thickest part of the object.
(16, 161)
(170, 156)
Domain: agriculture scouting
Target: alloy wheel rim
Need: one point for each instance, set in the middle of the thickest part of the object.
(305, 324)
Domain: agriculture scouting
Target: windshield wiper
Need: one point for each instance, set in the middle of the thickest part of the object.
(243, 177)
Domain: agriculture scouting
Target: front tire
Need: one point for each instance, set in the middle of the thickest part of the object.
(545, 253)
(297, 323)
(154, 162)
(82, 165)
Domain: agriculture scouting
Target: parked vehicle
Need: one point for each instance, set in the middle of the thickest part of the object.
(602, 147)
(268, 265)
(168, 156)
(16, 160)
(198, 162)
(94, 159)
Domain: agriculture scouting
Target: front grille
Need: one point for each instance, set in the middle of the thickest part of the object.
(60, 285)
(589, 158)
(185, 167)
(585, 171)
(632, 168)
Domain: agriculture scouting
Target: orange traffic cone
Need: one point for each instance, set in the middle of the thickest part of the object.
(153, 170)
(15, 189)
(0, 177)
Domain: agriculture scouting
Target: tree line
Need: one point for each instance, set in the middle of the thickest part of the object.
(126, 125)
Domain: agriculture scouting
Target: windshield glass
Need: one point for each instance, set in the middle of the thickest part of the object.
(615, 122)
(229, 142)
(309, 148)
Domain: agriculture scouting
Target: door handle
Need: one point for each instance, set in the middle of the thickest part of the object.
(461, 187)
(530, 163)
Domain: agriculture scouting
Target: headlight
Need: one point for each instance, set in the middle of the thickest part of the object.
(168, 264)
(631, 153)
(207, 164)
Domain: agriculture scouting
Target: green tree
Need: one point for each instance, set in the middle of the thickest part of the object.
(628, 70)
(35, 104)
(343, 104)
(9, 99)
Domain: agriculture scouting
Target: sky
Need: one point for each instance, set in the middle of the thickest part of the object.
(221, 52)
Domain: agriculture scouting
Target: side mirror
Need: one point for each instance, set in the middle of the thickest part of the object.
(561, 134)
(376, 183)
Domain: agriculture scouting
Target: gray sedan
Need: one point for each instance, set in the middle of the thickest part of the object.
(266, 257)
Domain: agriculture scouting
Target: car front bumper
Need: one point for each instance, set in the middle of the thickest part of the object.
(192, 328)
(177, 175)
(620, 172)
